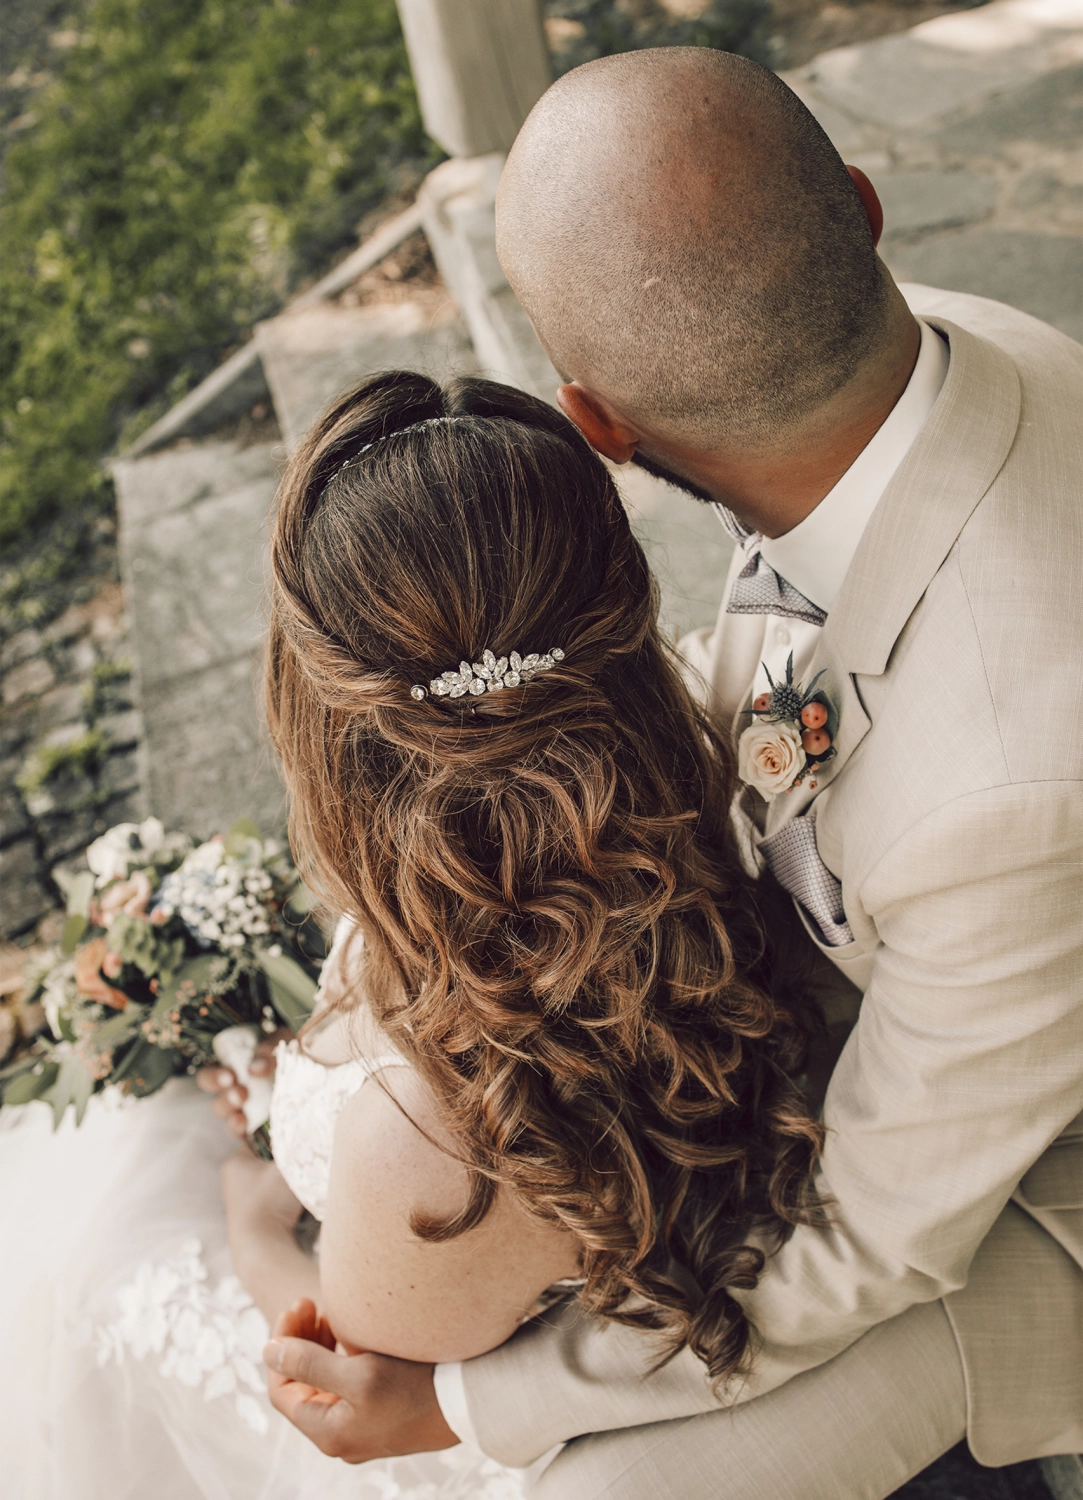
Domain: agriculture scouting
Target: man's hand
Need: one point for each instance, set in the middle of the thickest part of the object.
(228, 1094)
(352, 1406)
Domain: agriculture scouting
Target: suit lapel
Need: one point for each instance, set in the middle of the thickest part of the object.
(954, 460)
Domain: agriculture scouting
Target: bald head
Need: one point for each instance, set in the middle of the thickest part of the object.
(690, 246)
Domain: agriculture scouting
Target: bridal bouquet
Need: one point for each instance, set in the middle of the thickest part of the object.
(171, 956)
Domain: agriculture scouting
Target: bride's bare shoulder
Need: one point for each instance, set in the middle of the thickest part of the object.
(384, 1287)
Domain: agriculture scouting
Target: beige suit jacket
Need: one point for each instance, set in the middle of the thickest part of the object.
(953, 816)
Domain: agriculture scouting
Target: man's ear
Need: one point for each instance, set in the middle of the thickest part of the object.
(873, 208)
(603, 427)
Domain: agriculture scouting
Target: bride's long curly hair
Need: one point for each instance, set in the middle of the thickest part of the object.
(556, 925)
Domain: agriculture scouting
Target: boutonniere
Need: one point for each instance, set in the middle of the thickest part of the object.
(790, 736)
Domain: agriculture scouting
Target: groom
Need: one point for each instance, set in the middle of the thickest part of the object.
(902, 475)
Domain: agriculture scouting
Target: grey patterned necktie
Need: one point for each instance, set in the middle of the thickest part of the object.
(758, 589)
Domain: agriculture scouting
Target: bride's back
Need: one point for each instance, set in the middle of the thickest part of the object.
(497, 771)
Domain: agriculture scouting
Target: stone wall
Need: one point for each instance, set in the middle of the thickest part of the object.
(70, 732)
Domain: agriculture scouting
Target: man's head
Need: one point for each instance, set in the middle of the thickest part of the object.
(691, 247)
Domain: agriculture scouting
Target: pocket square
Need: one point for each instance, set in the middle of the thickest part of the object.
(794, 861)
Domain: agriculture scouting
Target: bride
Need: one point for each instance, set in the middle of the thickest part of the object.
(553, 1054)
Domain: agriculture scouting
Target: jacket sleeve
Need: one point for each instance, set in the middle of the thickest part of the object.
(965, 1064)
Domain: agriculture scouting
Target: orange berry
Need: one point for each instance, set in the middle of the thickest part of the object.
(762, 703)
(814, 716)
(816, 741)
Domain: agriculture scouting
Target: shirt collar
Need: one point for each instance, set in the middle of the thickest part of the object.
(816, 553)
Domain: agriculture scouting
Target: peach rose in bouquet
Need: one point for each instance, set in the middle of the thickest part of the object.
(129, 896)
(90, 960)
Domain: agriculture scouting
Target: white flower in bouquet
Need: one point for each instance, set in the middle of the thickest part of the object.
(135, 996)
(204, 858)
(132, 846)
(220, 899)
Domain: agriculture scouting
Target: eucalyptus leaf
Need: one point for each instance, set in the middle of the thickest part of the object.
(156, 1066)
(31, 1085)
(293, 992)
(80, 892)
(74, 1086)
(240, 836)
(112, 1033)
(72, 931)
(135, 1060)
(260, 1141)
(21, 1064)
(144, 945)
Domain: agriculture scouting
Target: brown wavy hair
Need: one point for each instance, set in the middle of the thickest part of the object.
(557, 929)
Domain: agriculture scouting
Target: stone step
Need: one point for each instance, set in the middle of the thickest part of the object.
(193, 553)
(193, 546)
(458, 205)
(317, 353)
(239, 383)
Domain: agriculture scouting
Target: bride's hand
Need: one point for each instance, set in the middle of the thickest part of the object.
(228, 1095)
(352, 1406)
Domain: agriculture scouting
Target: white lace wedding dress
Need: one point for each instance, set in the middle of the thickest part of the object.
(129, 1352)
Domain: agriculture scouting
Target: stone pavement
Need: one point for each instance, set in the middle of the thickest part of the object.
(968, 126)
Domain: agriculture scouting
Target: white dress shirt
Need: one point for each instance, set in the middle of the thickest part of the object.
(814, 556)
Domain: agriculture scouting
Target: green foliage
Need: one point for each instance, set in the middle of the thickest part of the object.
(243, 834)
(72, 931)
(293, 992)
(31, 1083)
(206, 974)
(73, 1085)
(78, 757)
(191, 163)
(586, 29)
(150, 1067)
(145, 946)
(105, 676)
(103, 673)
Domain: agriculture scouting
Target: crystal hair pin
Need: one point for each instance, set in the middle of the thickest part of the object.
(489, 675)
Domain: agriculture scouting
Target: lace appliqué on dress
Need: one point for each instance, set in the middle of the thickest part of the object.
(307, 1101)
(208, 1337)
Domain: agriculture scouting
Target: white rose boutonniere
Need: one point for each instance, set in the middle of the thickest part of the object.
(770, 757)
(790, 736)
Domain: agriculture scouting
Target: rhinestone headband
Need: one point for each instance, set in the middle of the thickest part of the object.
(488, 675)
(413, 427)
